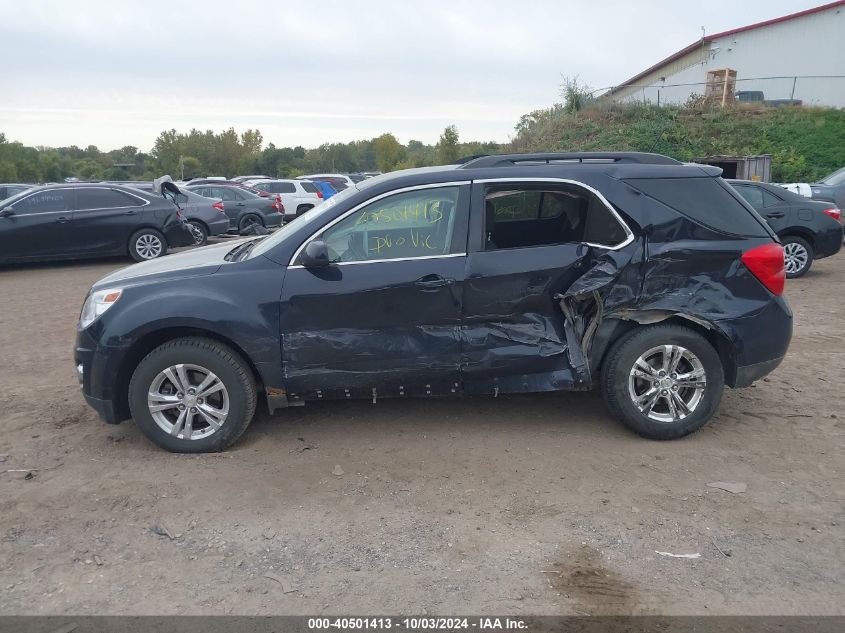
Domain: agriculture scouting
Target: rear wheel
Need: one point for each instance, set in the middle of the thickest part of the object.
(797, 256)
(192, 395)
(663, 381)
(147, 244)
(303, 208)
(248, 221)
(198, 231)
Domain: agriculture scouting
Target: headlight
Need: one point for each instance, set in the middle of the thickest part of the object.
(97, 303)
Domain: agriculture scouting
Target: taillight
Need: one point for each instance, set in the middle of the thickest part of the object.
(277, 205)
(833, 212)
(219, 206)
(179, 215)
(766, 263)
(319, 194)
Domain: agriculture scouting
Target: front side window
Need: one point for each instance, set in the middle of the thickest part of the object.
(412, 224)
(45, 202)
(524, 216)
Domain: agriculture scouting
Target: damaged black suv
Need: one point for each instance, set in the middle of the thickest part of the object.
(503, 274)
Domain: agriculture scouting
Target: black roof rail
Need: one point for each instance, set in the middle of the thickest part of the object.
(510, 160)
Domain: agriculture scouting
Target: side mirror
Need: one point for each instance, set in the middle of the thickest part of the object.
(315, 255)
(5, 213)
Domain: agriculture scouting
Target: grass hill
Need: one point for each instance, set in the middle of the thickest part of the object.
(806, 143)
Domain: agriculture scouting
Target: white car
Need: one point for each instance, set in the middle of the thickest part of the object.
(298, 196)
(338, 181)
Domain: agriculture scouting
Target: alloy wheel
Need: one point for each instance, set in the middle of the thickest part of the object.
(188, 401)
(667, 383)
(148, 246)
(795, 257)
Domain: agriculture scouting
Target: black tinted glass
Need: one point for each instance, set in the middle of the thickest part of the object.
(92, 198)
(704, 200)
(45, 201)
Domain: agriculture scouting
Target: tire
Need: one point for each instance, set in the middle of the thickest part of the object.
(798, 256)
(230, 407)
(199, 232)
(147, 244)
(620, 387)
(247, 221)
(303, 208)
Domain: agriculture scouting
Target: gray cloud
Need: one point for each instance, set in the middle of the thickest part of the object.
(117, 73)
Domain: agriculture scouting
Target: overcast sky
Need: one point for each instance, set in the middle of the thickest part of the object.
(115, 73)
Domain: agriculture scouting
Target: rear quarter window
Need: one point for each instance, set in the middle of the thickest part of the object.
(308, 187)
(704, 200)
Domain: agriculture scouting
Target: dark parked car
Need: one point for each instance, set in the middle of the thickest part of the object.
(808, 229)
(831, 189)
(10, 189)
(205, 216)
(231, 183)
(507, 274)
(243, 207)
(74, 221)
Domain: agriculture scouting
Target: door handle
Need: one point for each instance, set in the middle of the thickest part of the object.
(433, 282)
(62, 220)
(133, 212)
(775, 214)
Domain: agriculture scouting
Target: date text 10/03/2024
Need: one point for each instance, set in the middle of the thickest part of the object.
(418, 623)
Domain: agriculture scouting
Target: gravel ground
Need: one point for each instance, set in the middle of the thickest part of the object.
(533, 504)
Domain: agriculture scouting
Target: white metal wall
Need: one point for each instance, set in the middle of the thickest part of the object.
(810, 45)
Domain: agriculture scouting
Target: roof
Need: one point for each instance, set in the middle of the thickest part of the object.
(709, 38)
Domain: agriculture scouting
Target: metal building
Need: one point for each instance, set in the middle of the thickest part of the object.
(795, 58)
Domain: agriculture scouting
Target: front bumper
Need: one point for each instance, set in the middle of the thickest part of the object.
(98, 372)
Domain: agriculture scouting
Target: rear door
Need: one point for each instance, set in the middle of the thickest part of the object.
(37, 225)
(384, 318)
(104, 219)
(529, 240)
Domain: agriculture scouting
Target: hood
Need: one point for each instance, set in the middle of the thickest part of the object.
(193, 263)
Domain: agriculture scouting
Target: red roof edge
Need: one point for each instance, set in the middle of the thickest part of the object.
(710, 38)
(785, 18)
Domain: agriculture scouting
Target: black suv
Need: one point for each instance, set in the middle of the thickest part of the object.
(808, 229)
(505, 274)
(76, 221)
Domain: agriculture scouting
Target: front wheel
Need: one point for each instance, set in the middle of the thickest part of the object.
(797, 256)
(663, 381)
(147, 244)
(192, 395)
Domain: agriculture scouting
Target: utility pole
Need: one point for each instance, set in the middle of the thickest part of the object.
(182, 168)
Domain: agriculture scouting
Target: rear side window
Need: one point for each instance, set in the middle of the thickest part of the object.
(308, 187)
(92, 198)
(704, 200)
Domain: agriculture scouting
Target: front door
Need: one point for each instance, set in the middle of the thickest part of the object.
(384, 318)
(35, 226)
(529, 241)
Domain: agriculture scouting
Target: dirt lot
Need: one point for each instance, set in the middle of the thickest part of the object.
(524, 504)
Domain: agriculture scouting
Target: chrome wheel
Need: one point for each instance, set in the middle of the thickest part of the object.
(188, 402)
(197, 233)
(148, 246)
(795, 257)
(667, 383)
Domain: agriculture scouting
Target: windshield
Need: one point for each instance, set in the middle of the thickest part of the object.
(314, 218)
(836, 178)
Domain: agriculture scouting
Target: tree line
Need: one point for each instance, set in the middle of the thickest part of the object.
(227, 153)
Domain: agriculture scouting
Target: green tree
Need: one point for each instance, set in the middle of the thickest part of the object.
(388, 152)
(447, 147)
(8, 171)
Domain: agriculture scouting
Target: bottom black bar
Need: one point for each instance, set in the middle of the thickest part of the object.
(525, 624)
